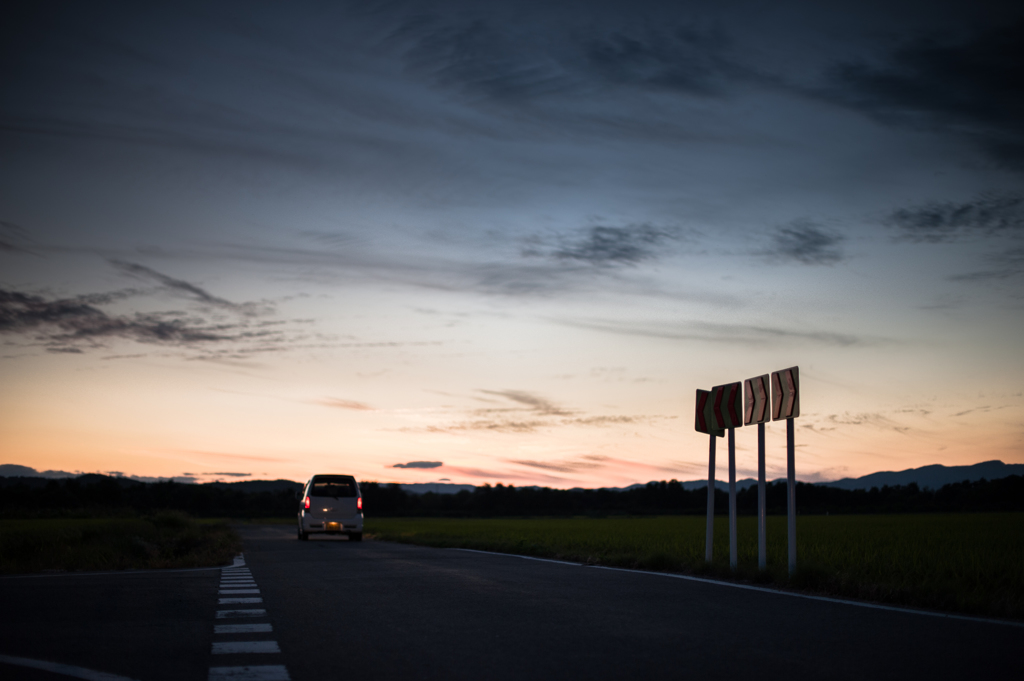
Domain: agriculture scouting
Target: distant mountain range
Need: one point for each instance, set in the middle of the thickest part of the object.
(934, 476)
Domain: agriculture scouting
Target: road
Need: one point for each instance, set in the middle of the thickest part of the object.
(329, 608)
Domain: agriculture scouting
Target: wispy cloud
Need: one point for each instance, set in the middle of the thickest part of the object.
(419, 464)
(230, 475)
(742, 334)
(181, 286)
(944, 221)
(969, 88)
(530, 401)
(807, 242)
(344, 404)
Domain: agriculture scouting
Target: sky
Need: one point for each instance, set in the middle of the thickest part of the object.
(506, 242)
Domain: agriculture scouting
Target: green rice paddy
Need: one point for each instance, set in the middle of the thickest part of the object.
(968, 563)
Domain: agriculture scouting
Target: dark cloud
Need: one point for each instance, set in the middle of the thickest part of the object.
(419, 464)
(64, 325)
(805, 241)
(232, 475)
(603, 246)
(974, 87)
(481, 60)
(686, 60)
(937, 221)
(191, 290)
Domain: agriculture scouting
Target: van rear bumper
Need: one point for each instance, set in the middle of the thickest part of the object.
(330, 525)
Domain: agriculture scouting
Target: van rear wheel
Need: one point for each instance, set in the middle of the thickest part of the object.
(356, 536)
(303, 536)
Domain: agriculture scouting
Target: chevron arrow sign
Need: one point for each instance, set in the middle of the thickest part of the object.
(756, 403)
(728, 405)
(786, 394)
(705, 415)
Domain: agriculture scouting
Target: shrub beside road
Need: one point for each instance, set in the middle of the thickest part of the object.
(161, 540)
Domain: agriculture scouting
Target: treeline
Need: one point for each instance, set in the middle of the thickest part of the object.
(97, 494)
(104, 495)
(664, 498)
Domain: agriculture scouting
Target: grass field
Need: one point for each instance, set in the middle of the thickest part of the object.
(164, 540)
(969, 563)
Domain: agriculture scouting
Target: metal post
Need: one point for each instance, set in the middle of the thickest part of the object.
(762, 529)
(733, 561)
(710, 536)
(791, 493)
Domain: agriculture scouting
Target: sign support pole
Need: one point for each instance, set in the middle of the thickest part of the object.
(710, 535)
(733, 561)
(762, 529)
(791, 493)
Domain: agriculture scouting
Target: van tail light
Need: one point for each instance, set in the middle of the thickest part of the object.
(359, 503)
(305, 503)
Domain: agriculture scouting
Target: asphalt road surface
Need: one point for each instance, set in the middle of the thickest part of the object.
(331, 609)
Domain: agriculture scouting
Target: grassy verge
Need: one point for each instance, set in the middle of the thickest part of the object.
(969, 563)
(163, 540)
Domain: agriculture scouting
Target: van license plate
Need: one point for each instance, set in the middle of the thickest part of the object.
(332, 527)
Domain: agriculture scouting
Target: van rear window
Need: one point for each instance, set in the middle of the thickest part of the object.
(333, 486)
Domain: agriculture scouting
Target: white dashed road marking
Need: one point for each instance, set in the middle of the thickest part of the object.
(223, 614)
(270, 672)
(241, 628)
(227, 647)
(235, 581)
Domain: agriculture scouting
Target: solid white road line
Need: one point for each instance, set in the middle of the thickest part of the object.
(246, 599)
(270, 672)
(256, 612)
(241, 628)
(229, 647)
(64, 669)
(750, 587)
(237, 592)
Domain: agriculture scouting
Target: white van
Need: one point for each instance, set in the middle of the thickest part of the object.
(331, 504)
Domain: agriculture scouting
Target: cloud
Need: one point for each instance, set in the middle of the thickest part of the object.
(529, 400)
(969, 88)
(946, 221)
(1004, 264)
(13, 238)
(344, 404)
(419, 464)
(603, 246)
(742, 334)
(685, 60)
(191, 290)
(67, 325)
(232, 475)
(570, 466)
(480, 60)
(805, 241)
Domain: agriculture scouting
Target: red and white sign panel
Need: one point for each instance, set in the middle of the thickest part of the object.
(705, 415)
(755, 400)
(728, 405)
(786, 394)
